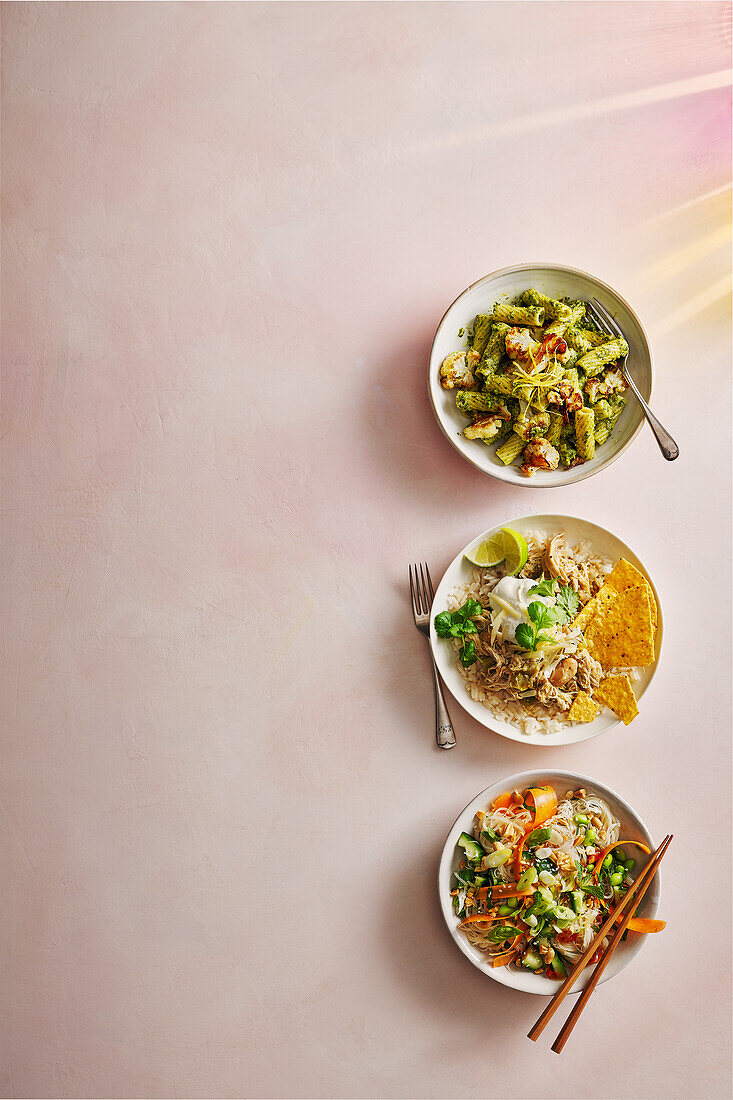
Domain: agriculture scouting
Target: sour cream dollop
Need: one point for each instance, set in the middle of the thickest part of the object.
(509, 602)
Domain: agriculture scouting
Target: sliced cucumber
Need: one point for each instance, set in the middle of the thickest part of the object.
(532, 960)
(470, 846)
(558, 965)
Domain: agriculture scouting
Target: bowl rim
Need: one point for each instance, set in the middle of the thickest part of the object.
(516, 734)
(568, 477)
(501, 974)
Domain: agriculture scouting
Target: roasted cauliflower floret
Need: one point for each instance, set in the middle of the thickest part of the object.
(566, 396)
(521, 345)
(484, 427)
(457, 370)
(612, 381)
(552, 346)
(540, 455)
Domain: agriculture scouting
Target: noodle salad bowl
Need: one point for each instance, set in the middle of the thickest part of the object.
(486, 298)
(562, 927)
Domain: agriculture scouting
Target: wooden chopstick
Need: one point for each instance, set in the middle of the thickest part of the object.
(608, 951)
(627, 906)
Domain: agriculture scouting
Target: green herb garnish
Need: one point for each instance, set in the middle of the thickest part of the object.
(539, 836)
(456, 624)
(529, 635)
(566, 603)
(544, 587)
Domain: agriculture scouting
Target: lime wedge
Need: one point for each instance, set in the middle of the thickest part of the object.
(515, 551)
(506, 546)
(489, 552)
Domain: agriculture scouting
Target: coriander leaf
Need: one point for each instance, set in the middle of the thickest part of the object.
(469, 627)
(470, 609)
(567, 602)
(467, 655)
(535, 610)
(544, 587)
(524, 635)
(443, 623)
(540, 615)
(542, 638)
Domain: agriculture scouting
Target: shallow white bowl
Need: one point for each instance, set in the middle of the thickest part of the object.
(603, 543)
(558, 282)
(632, 828)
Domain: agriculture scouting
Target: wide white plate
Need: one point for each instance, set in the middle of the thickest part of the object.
(632, 828)
(603, 543)
(558, 282)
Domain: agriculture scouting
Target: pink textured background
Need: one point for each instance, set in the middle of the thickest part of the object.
(229, 232)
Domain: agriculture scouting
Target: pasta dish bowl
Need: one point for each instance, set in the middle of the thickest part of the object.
(526, 386)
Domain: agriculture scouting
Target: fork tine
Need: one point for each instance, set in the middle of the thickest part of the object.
(593, 311)
(430, 584)
(415, 608)
(427, 602)
(606, 316)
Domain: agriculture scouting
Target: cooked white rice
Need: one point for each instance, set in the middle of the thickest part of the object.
(527, 715)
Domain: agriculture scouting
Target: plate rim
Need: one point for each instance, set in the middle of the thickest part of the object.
(501, 473)
(446, 858)
(547, 740)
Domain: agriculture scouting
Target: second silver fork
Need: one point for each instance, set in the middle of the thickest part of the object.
(421, 591)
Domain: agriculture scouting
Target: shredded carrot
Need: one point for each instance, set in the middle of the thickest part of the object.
(502, 801)
(544, 801)
(617, 844)
(506, 956)
(485, 918)
(645, 924)
(518, 856)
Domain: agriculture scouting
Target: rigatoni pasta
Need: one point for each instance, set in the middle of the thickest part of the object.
(539, 381)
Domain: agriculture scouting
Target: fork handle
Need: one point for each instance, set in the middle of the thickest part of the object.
(444, 734)
(667, 445)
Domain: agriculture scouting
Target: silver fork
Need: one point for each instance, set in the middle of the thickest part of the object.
(421, 591)
(606, 323)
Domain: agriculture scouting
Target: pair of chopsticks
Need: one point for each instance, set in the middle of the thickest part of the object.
(622, 914)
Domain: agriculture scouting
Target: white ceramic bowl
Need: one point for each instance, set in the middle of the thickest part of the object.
(602, 542)
(558, 282)
(632, 828)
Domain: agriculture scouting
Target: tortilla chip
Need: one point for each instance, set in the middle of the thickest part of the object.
(603, 596)
(620, 634)
(616, 693)
(625, 575)
(583, 617)
(584, 709)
